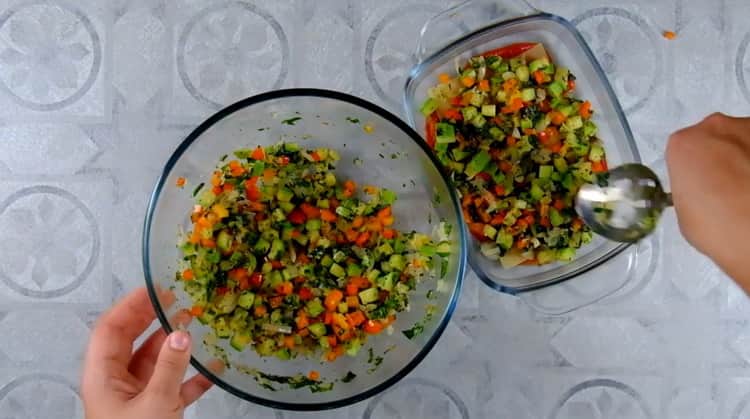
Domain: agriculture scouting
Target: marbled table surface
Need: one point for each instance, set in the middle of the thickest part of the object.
(95, 94)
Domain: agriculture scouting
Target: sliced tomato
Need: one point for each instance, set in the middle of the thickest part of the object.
(510, 51)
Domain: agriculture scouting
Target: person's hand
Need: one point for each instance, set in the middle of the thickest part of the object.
(146, 384)
(709, 171)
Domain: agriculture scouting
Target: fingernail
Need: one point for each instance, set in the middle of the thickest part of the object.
(179, 341)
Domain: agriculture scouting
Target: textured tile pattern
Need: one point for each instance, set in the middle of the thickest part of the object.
(94, 96)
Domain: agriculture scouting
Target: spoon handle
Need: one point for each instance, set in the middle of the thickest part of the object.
(668, 200)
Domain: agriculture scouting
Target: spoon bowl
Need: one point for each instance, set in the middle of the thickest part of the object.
(624, 204)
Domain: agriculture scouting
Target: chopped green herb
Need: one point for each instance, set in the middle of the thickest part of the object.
(224, 157)
(414, 331)
(358, 162)
(198, 188)
(352, 120)
(381, 155)
(348, 377)
(291, 121)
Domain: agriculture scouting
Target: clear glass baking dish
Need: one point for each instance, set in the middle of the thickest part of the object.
(519, 22)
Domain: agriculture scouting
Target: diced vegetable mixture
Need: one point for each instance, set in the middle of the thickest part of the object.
(286, 259)
(518, 146)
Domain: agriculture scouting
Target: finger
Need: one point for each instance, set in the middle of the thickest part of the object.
(194, 388)
(144, 359)
(171, 364)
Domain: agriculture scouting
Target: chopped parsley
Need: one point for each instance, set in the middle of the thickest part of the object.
(198, 188)
(352, 120)
(349, 377)
(291, 121)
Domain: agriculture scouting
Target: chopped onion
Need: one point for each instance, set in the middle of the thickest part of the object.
(277, 328)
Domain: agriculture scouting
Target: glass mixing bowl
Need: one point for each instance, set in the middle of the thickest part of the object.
(516, 21)
(376, 148)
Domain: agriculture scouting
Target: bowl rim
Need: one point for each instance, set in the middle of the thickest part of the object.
(418, 71)
(327, 94)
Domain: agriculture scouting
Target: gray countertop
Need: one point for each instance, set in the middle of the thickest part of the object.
(94, 96)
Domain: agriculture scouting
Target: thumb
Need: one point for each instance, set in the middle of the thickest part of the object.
(170, 368)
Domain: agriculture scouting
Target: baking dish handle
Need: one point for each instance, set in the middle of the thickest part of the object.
(470, 15)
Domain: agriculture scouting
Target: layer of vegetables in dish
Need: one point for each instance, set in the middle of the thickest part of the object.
(288, 260)
(518, 146)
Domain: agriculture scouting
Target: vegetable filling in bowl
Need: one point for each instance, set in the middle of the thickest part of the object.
(518, 147)
(287, 260)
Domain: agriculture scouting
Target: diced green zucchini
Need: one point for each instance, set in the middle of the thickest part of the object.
(313, 224)
(277, 248)
(386, 281)
(446, 133)
(478, 163)
(555, 218)
(224, 241)
(337, 270)
(538, 64)
(207, 317)
(545, 171)
(246, 300)
(469, 112)
(561, 74)
(428, 107)
(240, 340)
(459, 154)
(343, 307)
(596, 154)
(397, 262)
(369, 295)
(315, 307)
(556, 89)
(546, 256)
(490, 232)
(489, 110)
(266, 347)
(529, 94)
(504, 239)
(566, 255)
(402, 288)
(478, 121)
(522, 72)
(317, 329)
(560, 164)
(573, 123)
(536, 191)
(353, 347)
(221, 326)
(353, 270)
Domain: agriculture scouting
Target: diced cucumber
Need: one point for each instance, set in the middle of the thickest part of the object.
(444, 249)
(504, 239)
(343, 307)
(207, 317)
(221, 326)
(478, 121)
(596, 154)
(353, 347)
(246, 300)
(323, 203)
(545, 171)
(397, 262)
(446, 133)
(224, 241)
(372, 275)
(343, 211)
(469, 112)
(353, 270)
(240, 340)
(386, 281)
(317, 329)
(369, 295)
(313, 224)
(315, 307)
(337, 270)
(277, 248)
(402, 288)
(568, 182)
(385, 249)
(283, 354)
(206, 198)
(522, 72)
(536, 192)
(266, 347)
(477, 99)
(428, 107)
(556, 89)
(561, 74)
(546, 256)
(488, 110)
(566, 255)
(560, 164)
(459, 154)
(538, 64)
(339, 256)
(527, 95)
(573, 123)
(555, 218)
(478, 163)
(496, 133)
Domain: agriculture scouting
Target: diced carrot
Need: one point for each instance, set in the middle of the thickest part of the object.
(276, 264)
(385, 212)
(585, 110)
(228, 187)
(506, 166)
(453, 114)
(181, 182)
(328, 215)
(599, 166)
(351, 290)
(311, 211)
(511, 141)
(374, 225)
(559, 204)
(260, 311)
(187, 275)
(444, 78)
(387, 221)
(499, 190)
(358, 221)
(313, 375)
(355, 319)
(217, 190)
(557, 117)
(571, 84)
(352, 301)
(363, 239)
(328, 318)
(216, 179)
(276, 302)
(373, 327)
(289, 342)
(269, 175)
(484, 85)
(544, 222)
(522, 243)
(194, 238)
(196, 311)
(671, 35)
(468, 81)
(539, 76)
(577, 224)
(208, 243)
(350, 187)
(510, 85)
(315, 156)
(351, 235)
(302, 321)
(389, 233)
(258, 154)
(285, 288)
(333, 299)
(332, 341)
(303, 332)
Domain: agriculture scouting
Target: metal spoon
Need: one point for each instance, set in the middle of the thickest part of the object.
(625, 203)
